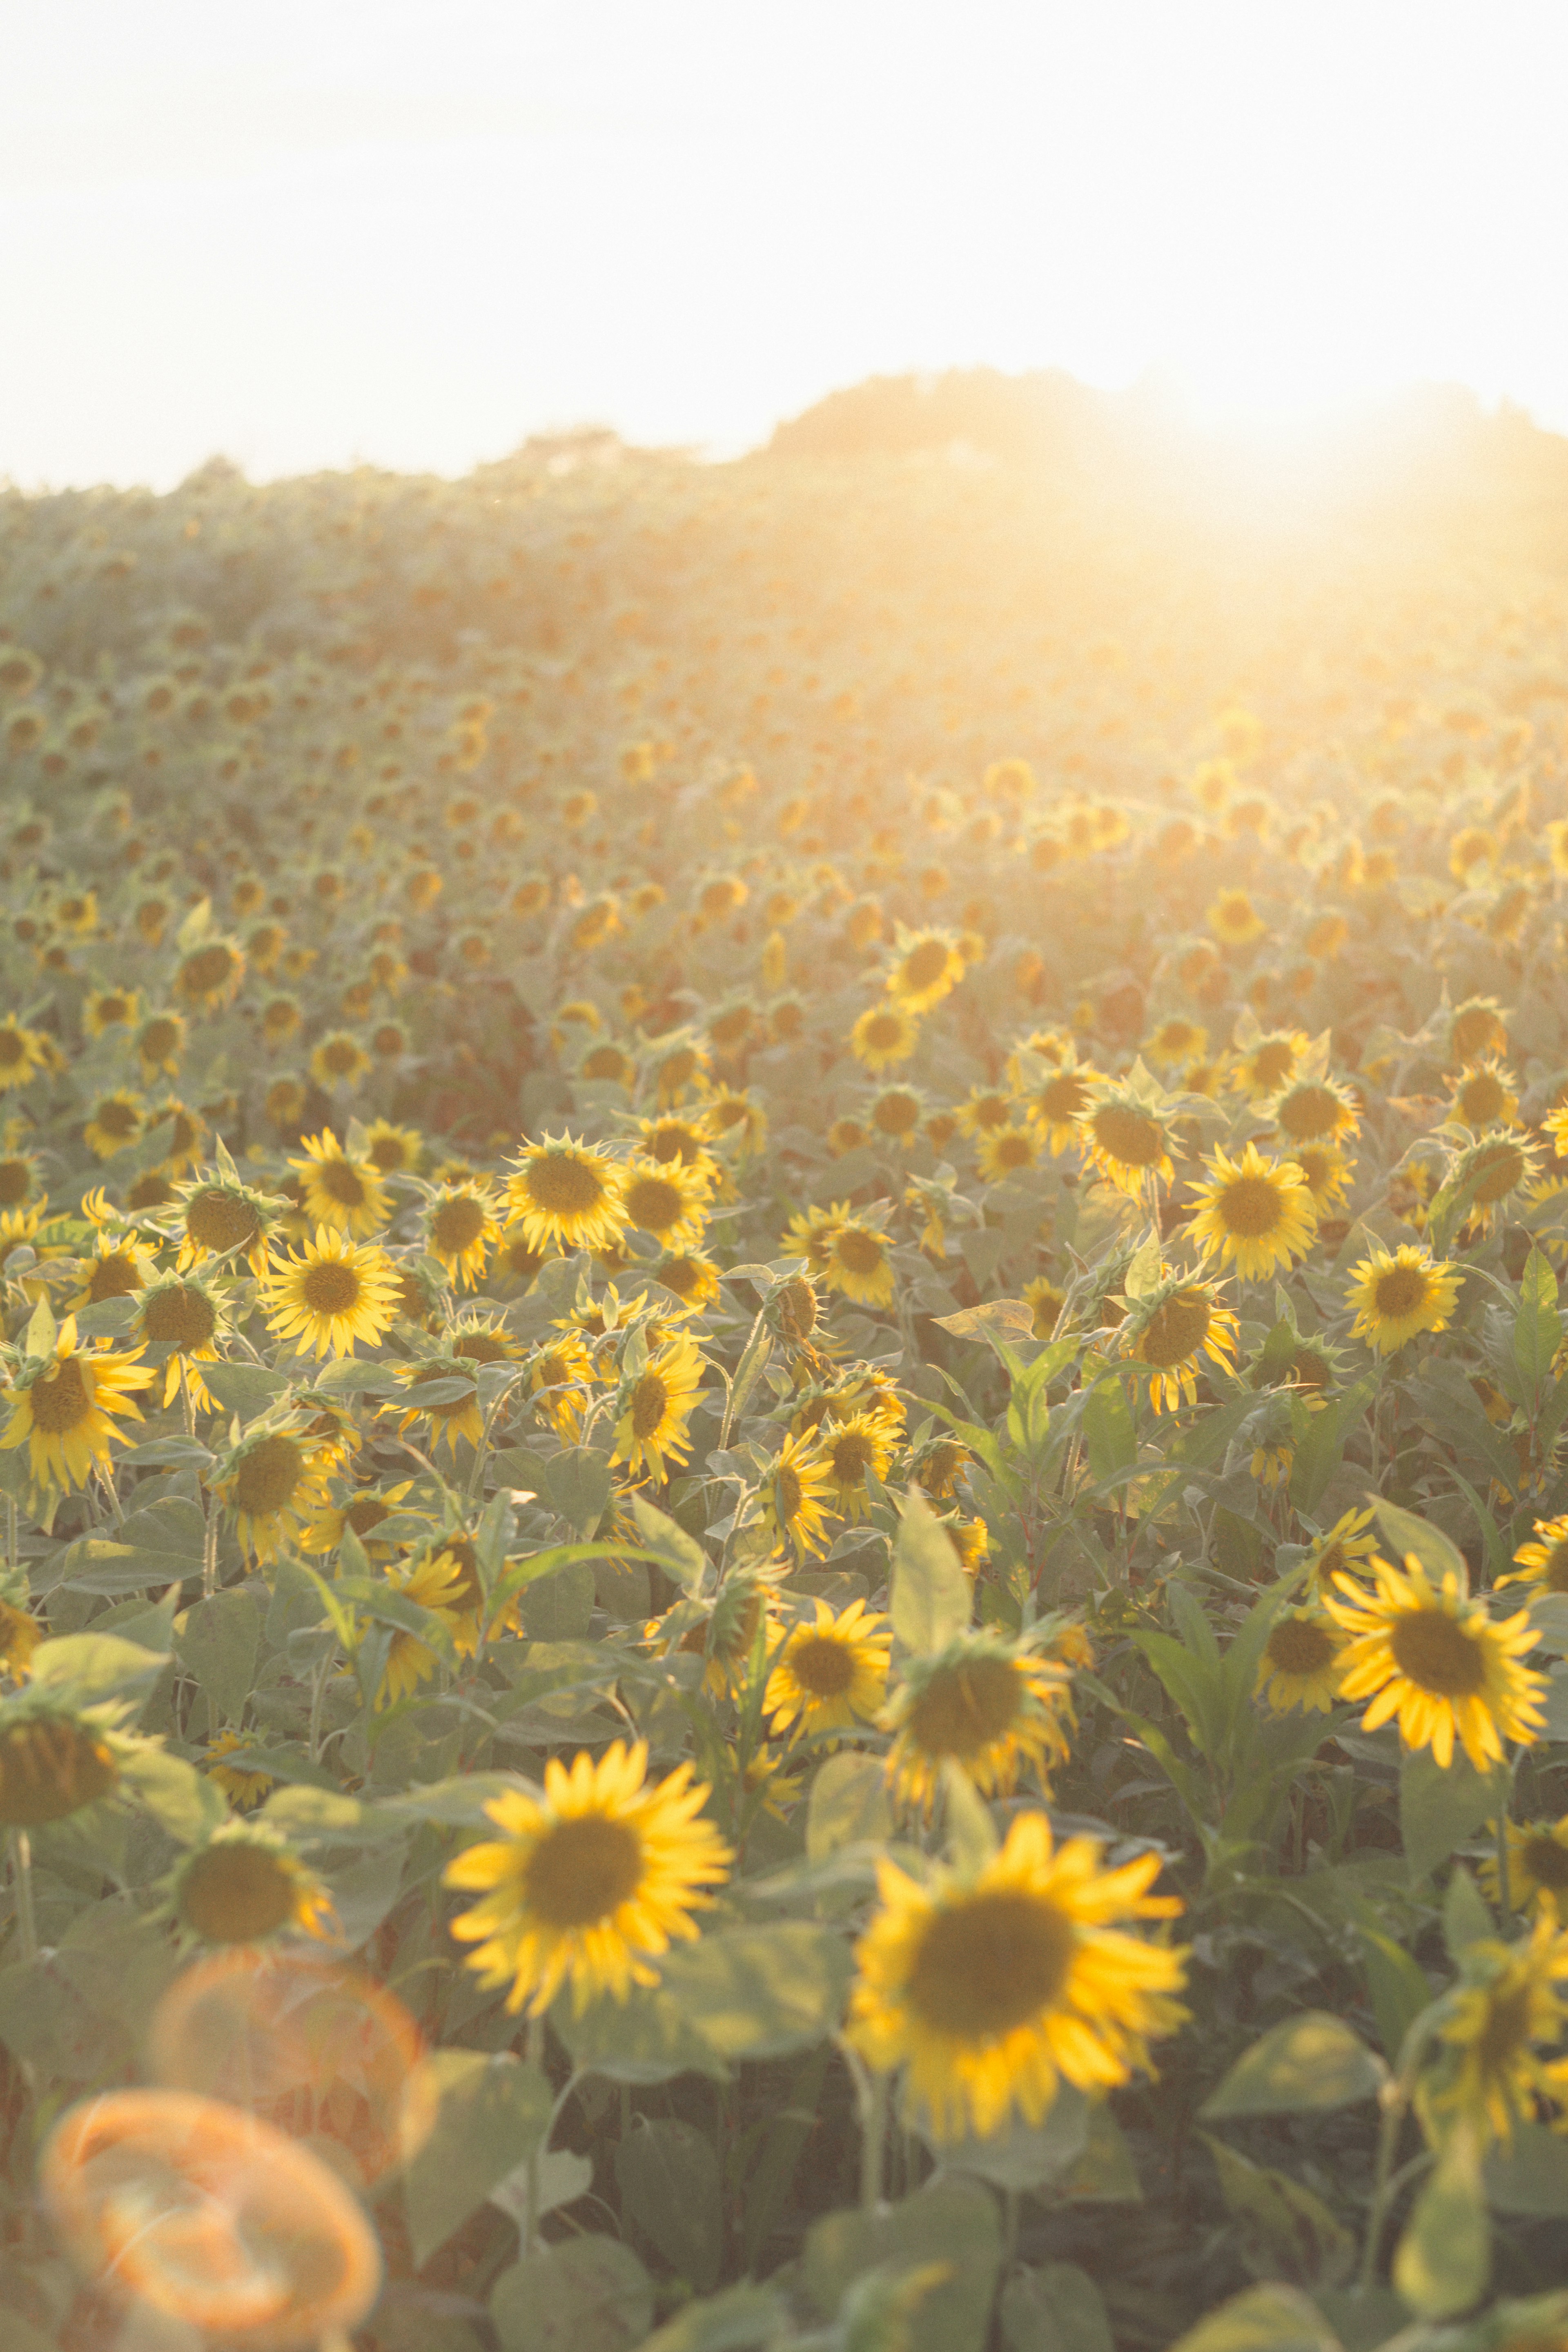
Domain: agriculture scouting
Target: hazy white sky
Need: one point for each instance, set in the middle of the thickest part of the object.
(416, 230)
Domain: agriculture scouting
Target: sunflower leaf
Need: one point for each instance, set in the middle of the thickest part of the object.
(1311, 2062)
(931, 1600)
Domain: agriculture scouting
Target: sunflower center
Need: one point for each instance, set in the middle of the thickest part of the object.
(457, 1225)
(1554, 1575)
(116, 1118)
(884, 1029)
(897, 1115)
(207, 970)
(1311, 1110)
(1127, 1137)
(1175, 1330)
(787, 1493)
(15, 1183)
(266, 1479)
(481, 1347)
(563, 1187)
(12, 1049)
(1507, 2029)
(1309, 1372)
(158, 1040)
(851, 1454)
(925, 964)
(1547, 1862)
(858, 1253)
(1250, 1207)
(329, 1287)
(654, 1203)
(61, 1398)
(1481, 1098)
(460, 1553)
(115, 1276)
(583, 1870)
(234, 1894)
(822, 1665)
(342, 1182)
(1400, 1291)
(680, 1275)
(1437, 1655)
(1014, 1150)
(218, 1221)
(50, 1768)
(649, 1399)
(1297, 1646)
(366, 1513)
(964, 1709)
(340, 1055)
(1501, 1171)
(988, 1964)
(1062, 1099)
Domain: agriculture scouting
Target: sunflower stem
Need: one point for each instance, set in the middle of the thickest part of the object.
(1504, 1892)
(10, 1531)
(209, 1553)
(22, 1880)
(873, 2090)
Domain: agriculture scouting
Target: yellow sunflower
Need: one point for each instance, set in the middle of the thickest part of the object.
(1127, 1141)
(737, 1119)
(346, 1194)
(693, 1278)
(450, 1416)
(108, 1008)
(1255, 1214)
(993, 1989)
(857, 1262)
(687, 1137)
(1268, 1063)
(1485, 1094)
(117, 1119)
(159, 1044)
(62, 1409)
(435, 1583)
(650, 1430)
(883, 1037)
(242, 1784)
(829, 1673)
(1491, 1171)
(1235, 920)
(245, 1886)
(1299, 1667)
(271, 1483)
(1346, 1544)
(335, 1293)
(1543, 1563)
(1400, 1292)
(1435, 1659)
(926, 967)
(394, 1151)
(794, 1495)
(1005, 1152)
(666, 1198)
(1172, 1332)
(187, 1318)
(1175, 1043)
(568, 1195)
(21, 1053)
(208, 978)
(588, 1883)
(1326, 1173)
(1313, 1110)
(1495, 2076)
(810, 1234)
(560, 1373)
(984, 1704)
(118, 1268)
(362, 1512)
(220, 1215)
(460, 1230)
(1061, 1101)
(1536, 1868)
(866, 1441)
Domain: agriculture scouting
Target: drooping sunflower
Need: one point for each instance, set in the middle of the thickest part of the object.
(927, 966)
(857, 1262)
(654, 1407)
(693, 1277)
(451, 1403)
(1536, 1868)
(346, 1194)
(883, 1037)
(53, 1759)
(460, 1230)
(666, 1200)
(1507, 2003)
(1171, 1330)
(993, 1707)
(220, 1215)
(1397, 1293)
(1299, 1667)
(181, 1313)
(1490, 1171)
(62, 1408)
(1255, 1213)
(794, 1495)
(1128, 1143)
(723, 1630)
(568, 1195)
(588, 1883)
(993, 1989)
(1434, 1658)
(1543, 1563)
(244, 1886)
(829, 1674)
(335, 1293)
(864, 1443)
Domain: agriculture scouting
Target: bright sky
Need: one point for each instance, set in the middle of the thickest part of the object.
(415, 230)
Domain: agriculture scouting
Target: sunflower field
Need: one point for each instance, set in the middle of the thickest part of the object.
(782, 1462)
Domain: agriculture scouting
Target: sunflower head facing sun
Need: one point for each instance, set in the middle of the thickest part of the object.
(1128, 1139)
(1430, 1656)
(1172, 1332)
(334, 1294)
(63, 1403)
(1398, 1293)
(1254, 1213)
(566, 1195)
(994, 1709)
(829, 1673)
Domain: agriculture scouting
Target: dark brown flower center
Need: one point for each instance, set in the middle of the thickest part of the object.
(457, 1225)
(654, 1203)
(234, 1894)
(266, 1479)
(1177, 1330)
(989, 1963)
(925, 964)
(1251, 1207)
(964, 1709)
(563, 1186)
(1437, 1654)
(218, 1221)
(1547, 1862)
(823, 1665)
(1126, 1136)
(582, 1871)
(858, 1253)
(61, 1398)
(649, 1399)
(1297, 1646)
(329, 1287)
(114, 1276)
(49, 1768)
(1399, 1292)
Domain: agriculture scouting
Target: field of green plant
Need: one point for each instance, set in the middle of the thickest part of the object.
(783, 1469)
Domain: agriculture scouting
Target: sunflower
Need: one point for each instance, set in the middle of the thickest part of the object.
(516, 1258)
(809, 1235)
(451, 1417)
(589, 1882)
(795, 1493)
(242, 1784)
(1056, 1106)
(21, 1053)
(53, 1761)
(363, 1513)
(348, 1195)
(866, 1442)
(993, 1989)
(208, 978)
(19, 1637)
(1126, 1140)
(108, 1008)
(1270, 1063)
(737, 1119)
(560, 1373)
(1544, 1563)
(116, 1120)
(883, 1037)
(1536, 1868)
(119, 1267)
(340, 1060)
(722, 1630)
(1005, 1152)
(220, 1215)
(828, 1673)
(1326, 1173)
(1485, 1094)
(1235, 920)
(566, 1194)
(1436, 1660)
(61, 1408)
(1398, 1293)
(460, 1230)
(1508, 2001)
(989, 1706)
(1045, 1300)
(1346, 1544)
(666, 1200)
(1313, 1110)
(19, 1175)
(187, 1318)
(271, 1483)
(857, 1262)
(693, 1278)
(926, 967)
(1299, 1667)
(895, 1116)
(244, 1886)
(435, 1583)
(1171, 1330)
(1489, 1171)
(654, 1407)
(334, 1294)
(1254, 1215)
(1175, 1043)
(677, 1137)
(392, 1151)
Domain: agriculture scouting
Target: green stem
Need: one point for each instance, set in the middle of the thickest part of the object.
(11, 1552)
(22, 1880)
(1504, 1892)
(873, 2132)
(1395, 2099)
(209, 1552)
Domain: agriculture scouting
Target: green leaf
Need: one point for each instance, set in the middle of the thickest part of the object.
(183, 1800)
(1057, 2308)
(1262, 2319)
(644, 2039)
(586, 2294)
(762, 1991)
(679, 1555)
(1530, 2173)
(1439, 1809)
(1284, 2231)
(244, 1388)
(953, 2222)
(218, 1649)
(42, 1334)
(577, 1487)
(1105, 2173)
(1444, 2258)
(743, 2319)
(559, 1608)
(931, 1600)
(1022, 2157)
(848, 1804)
(1537, 1324)
(1108, 1429)
(1466, 1919)
(492, 2116)
(669, 2179)
(1321, 1448)
(83, 1668)
(1403, 1532)
(1305, 2063)
(970, 1831)
(1398, 1985)
(993, 1315)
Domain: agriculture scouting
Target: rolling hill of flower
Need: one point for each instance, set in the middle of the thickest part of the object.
(782, 1470)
